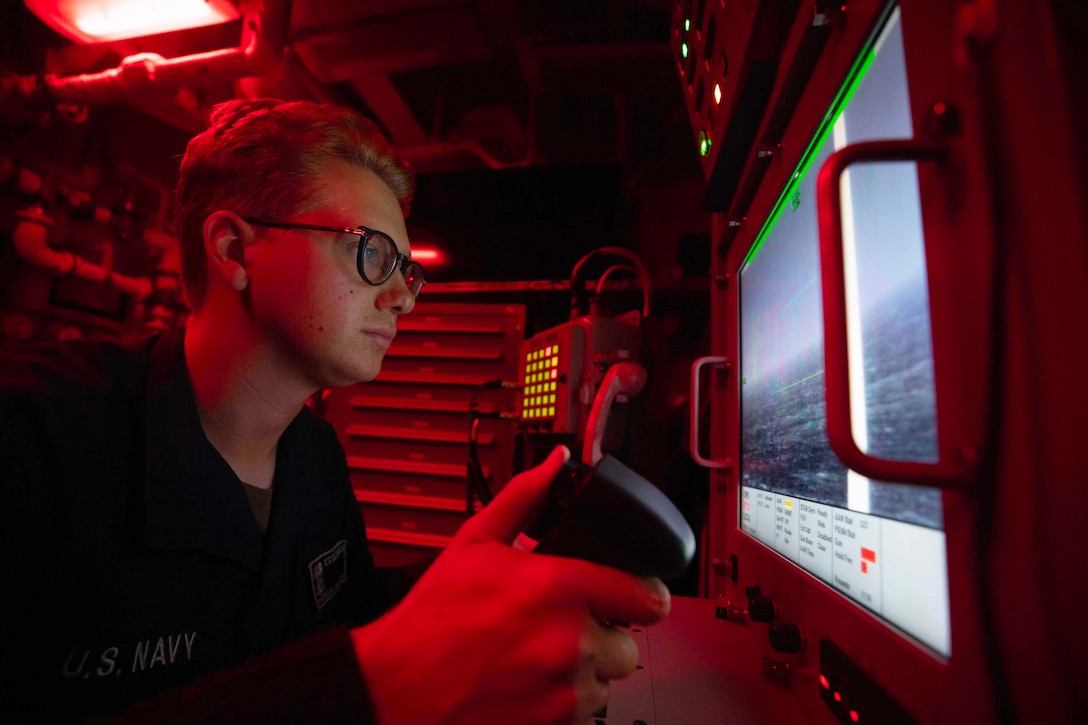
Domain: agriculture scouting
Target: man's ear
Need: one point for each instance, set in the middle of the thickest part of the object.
(225, 238)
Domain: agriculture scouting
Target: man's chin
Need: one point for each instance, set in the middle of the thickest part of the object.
(361, 374)
(344, 373)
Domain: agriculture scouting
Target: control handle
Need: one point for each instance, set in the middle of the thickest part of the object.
(942, 473)
(696, 407)
(610, 515)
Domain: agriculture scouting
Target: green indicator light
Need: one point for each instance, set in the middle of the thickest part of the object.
(704, 143)
(683, 50)
(687, 24)
(842, 98)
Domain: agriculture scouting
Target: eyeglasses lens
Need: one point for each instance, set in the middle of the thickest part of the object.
(413, 277)
(377, 258)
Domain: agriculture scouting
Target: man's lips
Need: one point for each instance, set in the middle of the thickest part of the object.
(385, 337)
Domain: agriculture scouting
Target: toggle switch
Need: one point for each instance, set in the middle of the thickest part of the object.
(760, 608)
(785, 637)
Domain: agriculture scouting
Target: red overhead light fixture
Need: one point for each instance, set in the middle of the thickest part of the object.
(99, 21)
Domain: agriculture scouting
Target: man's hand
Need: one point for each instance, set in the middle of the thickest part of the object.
(494, 634)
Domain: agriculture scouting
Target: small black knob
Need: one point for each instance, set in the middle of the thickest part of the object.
(785, 637)
(760, 609)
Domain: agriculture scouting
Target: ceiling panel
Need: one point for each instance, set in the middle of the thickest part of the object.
(470, 84)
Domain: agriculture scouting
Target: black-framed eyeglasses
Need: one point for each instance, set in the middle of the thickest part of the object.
(378, 256)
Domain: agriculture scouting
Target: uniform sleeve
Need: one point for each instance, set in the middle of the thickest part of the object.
(25, 464)
(316, 679)
(26, 529)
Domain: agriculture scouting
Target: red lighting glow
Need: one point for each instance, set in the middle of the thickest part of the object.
(97, 21)
(824, 683)
(425, 255)
(854, 715)
(430, 256)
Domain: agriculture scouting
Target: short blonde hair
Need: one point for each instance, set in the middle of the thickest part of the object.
(262, 158)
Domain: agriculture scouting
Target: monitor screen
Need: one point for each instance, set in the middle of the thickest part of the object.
(880, 544)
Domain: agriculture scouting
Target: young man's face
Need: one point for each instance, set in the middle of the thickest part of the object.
(316, 314)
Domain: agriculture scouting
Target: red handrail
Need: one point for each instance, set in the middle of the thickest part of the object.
(942, 474)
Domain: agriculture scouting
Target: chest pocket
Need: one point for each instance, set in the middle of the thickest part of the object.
(328, 573)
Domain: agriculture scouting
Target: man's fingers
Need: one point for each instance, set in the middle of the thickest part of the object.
(615, 596)
(609, 651)
(514, 508)
(592, 697)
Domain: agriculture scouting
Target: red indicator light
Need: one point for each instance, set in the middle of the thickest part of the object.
(868, 554)
(854, 715)
(838, 697)
(824, 683)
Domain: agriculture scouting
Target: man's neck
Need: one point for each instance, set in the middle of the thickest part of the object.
(245, 403)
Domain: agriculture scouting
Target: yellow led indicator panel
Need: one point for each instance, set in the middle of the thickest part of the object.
(539, 389)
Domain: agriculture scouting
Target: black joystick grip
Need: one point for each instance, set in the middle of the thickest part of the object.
(608, 514)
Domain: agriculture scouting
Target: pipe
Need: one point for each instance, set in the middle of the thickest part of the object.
(31, 242)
